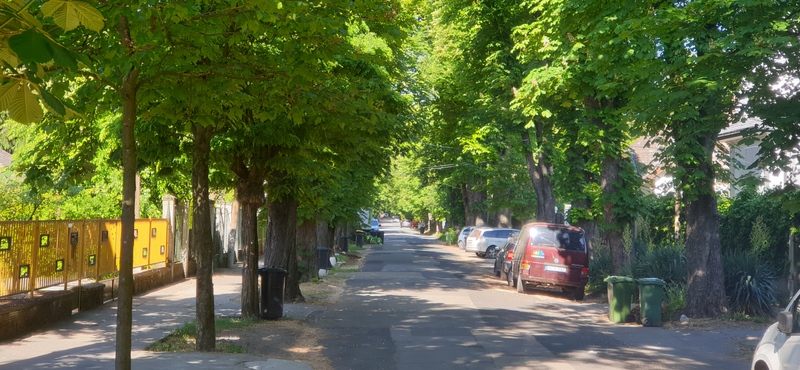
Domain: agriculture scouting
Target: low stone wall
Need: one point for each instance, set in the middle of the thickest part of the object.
(22, 316)
(90, 295)
(156, 278)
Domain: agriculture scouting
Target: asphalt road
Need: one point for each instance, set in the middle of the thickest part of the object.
(419, 304)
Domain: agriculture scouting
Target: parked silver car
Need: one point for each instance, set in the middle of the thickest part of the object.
(462, 237)
(487, 241)
(779, 349)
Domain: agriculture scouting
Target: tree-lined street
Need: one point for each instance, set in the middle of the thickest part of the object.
(419, 304)
(416, 304)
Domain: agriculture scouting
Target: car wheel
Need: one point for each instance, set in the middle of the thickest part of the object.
(503, 275)
(579, 292)
(520, 285)
(510, 279)
(491, 252)
(495, 270)
(460, 245)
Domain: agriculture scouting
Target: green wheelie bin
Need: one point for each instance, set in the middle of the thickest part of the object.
(620, 294)
(651, 294)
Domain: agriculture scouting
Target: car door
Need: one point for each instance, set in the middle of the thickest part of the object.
(788, 345)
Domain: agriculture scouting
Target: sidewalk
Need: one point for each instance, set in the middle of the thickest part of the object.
(87, 340)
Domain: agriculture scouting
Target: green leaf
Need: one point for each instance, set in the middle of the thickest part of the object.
(53, 102)
(70, 14)
(64, 58)
(7, 94)
(32, 47)
(25, 107)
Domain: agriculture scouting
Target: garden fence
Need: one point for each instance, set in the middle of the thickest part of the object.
(42, 254)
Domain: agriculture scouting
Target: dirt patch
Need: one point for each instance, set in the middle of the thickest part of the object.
(291, 340)
(716, 324)
(283, 339)
(324, 292)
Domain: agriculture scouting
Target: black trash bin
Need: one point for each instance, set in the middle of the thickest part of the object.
(360, 238)
(323, 258)
(344, 244)
(380, 235)
(272, 286)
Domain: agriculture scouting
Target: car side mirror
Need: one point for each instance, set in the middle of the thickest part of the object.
(785, 322)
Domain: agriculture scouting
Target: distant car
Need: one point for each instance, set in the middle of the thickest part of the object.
(414, 224)
(486, 241)
(375, 225)
(779, 348)
(462, 237)
(502, 263)
(405, 223)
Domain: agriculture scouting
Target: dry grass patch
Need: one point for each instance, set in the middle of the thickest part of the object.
(283, 339)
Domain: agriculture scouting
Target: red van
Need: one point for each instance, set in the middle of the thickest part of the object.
(550, 255)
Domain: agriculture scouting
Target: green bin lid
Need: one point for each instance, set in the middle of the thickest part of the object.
(652, 281)
(619, 279)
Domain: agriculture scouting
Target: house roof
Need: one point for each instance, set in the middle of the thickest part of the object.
(5, 158)
(737, 127)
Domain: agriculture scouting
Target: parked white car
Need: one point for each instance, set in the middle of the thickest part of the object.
(462, 237)
(779, 349)
(487, 241)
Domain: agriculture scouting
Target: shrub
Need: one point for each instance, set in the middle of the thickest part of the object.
(760, 239)
(666, 262)
(674, 299)
(737, 223)
(599, 269)
(749, 283)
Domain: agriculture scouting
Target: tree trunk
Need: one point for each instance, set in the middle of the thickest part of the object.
(250, 299)
(281, 252)
(676, 217)
(182, 228)
(307, 250)
(705, 296)
(610, 182)
(125, 300)
(609, 178)
(202, 237)
(589, 226)
(325, 235)
(474, 200)
(504, 218)
(540, 171)
(250, 194)
(234, 225)
(469, 220)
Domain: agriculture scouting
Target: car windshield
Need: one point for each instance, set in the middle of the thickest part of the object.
(567, 239)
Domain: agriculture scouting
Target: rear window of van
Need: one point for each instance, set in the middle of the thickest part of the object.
(566, 239)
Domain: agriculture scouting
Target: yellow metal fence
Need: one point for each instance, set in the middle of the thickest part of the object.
(41, 254)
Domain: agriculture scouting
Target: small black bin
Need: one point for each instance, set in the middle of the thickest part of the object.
(360, 238)
(323, 258)
(272, 287)
(344, 244)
